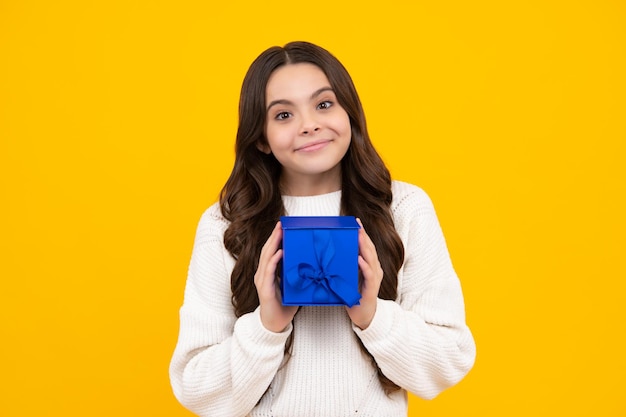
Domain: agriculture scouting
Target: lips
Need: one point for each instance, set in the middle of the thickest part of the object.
(313, 146)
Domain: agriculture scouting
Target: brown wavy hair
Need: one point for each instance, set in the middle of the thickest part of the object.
(251, 198)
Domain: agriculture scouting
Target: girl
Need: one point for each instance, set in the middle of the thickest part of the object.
(302, 149)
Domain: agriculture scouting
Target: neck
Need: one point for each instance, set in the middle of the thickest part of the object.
(309, 186)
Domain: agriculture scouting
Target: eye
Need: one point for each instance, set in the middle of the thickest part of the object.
(325, 105)
(283, 115)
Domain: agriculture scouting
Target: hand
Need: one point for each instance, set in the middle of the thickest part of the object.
(274, 316)
(362, 315)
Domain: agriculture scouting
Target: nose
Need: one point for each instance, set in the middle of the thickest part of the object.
(309, 125)
(309, 131)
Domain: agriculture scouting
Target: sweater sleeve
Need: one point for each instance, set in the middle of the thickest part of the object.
(221, 365)
(421, 342)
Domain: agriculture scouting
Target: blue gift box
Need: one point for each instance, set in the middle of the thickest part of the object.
(320, 261)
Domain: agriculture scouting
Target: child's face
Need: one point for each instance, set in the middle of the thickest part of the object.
(306, 129)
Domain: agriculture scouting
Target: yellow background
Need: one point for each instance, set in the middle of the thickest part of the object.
(117, 121)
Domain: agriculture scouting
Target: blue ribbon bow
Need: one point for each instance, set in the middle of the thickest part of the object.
(319, 275)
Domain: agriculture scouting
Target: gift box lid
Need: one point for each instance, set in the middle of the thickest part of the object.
(319, 222)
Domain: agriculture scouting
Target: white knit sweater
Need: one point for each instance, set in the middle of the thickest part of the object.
(224, 366)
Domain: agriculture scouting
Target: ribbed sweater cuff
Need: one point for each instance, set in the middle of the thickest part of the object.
(250, 328)
(381, 324)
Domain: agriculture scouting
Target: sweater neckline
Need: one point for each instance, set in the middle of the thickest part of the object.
(328, 204)
(331, 194)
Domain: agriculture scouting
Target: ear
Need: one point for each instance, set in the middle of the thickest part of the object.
(263, 147)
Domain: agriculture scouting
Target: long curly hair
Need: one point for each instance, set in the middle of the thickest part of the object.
(251, 199)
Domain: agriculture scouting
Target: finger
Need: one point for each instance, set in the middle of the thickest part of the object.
(370, 272)
(268, 268)
(272, 243)
(275, 236)
(266, 262)
(363, 236)
(366, 246)
(265, 279)
(275, 259)
(365, 268)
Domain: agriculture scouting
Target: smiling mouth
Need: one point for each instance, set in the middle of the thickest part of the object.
(315, 146)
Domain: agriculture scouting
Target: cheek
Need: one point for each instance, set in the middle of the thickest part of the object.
(346, 127)
(270, 133)
(277, 136)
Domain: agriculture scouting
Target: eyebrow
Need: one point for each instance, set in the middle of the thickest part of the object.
(287, 102)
